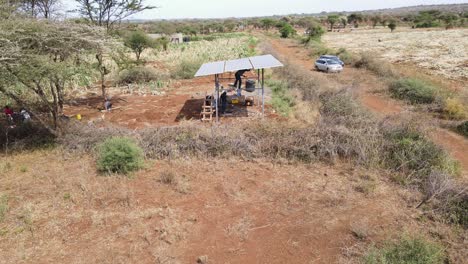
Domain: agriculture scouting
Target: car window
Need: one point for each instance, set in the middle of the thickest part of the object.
(332, 62)
(321, 61)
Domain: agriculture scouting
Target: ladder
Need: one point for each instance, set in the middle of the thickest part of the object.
(208, 109)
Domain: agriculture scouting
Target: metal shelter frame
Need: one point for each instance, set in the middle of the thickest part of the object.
(259, 63)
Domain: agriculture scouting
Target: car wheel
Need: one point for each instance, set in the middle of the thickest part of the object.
(328, 70)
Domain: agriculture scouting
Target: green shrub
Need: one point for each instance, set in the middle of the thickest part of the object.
(281, 101)
(407, 251)
(428, 24)
(314, 32)
(137, 75)
(456, 208)
(318, 48)
(346, 57)
(119, 155)
(185, 69)
(463, 128)
(413, 90)
(411, 153)
(287, 30)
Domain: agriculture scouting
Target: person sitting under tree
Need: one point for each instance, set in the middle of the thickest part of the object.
(9, 115)
(238, 83)
(108, 105)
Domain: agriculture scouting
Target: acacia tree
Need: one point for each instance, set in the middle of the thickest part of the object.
(267, 23)
(355, 19)
(392, 25)
(332, 20)
(314, 31)
(40, 8)
(109, 12)
(138, 41)
(40, 60)
(46, 8)
(344, 21)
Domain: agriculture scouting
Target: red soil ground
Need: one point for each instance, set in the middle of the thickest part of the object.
(182, 101)
(228, 210)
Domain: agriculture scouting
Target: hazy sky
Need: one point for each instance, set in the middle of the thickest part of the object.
(248, 8)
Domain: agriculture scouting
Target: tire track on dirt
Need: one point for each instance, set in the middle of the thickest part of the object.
(370, 91)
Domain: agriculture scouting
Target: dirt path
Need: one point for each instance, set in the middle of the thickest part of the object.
(371, 91)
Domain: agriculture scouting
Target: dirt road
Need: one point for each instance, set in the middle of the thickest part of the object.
(371, 92)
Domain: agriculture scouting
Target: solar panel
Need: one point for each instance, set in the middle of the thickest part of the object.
(211, 68)
(240, 64)
(257, 62)
(265, 62)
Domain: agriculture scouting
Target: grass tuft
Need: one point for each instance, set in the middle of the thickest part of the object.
(408, 251)
(3, 206)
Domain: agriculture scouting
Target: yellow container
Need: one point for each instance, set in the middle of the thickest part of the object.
(78, 117)
(235, 101)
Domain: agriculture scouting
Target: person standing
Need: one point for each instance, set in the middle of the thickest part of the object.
(238, 83)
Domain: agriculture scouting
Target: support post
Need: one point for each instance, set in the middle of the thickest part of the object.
(257, 89)
(263, 92)
(217, 97)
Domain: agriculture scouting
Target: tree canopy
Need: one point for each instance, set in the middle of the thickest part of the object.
(107, 13)
(40, 60)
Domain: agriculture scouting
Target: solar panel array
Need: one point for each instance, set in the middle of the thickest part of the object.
(256, 63)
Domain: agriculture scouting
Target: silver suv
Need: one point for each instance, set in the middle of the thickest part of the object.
(328, 65)
(333, 57)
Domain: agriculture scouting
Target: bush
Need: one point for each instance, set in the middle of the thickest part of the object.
(137, 75)
(186, 69)
(408, 251)
(119, 155)
(318, 49)
(314, 32)
(281, 101)
(463, 128)
(413, 90)
(428, 24)
(371, 63)
(454, 109)
(455, 207)
(346, 57)
(411, 153)
(287, 30)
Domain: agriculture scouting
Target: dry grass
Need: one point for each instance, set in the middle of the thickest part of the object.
(429, 49)
(231, 205)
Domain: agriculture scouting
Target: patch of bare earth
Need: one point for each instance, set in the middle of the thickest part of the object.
(182, 101)
(229, 211)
